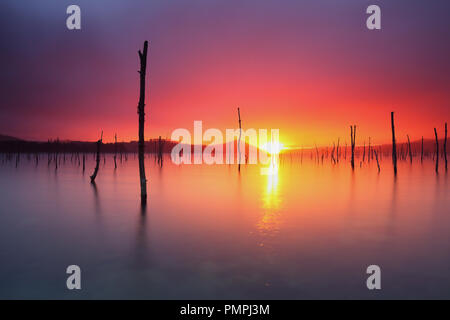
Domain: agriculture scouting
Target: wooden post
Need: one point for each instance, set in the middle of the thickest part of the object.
(160, 151)
(437, 150)
(141, 112)
(353, 141)
(409, 149)
(364, 152)
(239, 143)
(115, 151)
(97, 160)
(337, 150)
(376, 157)
(394, 147)
(332, 153)
(421, 152)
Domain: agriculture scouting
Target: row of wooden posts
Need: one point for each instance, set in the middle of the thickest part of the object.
(372, 152)
(394, 147)
(78, 158)
(335, 153)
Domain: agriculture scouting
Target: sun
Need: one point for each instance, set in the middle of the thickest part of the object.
(272, 147)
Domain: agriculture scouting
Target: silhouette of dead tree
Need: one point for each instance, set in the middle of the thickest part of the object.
(353, 142)
(115, 151)
(437, 150)
(376, 157)
(160, 150)
(337, 150)
(141, 112)
(239, 142)
(332, 154)
(394, 147)
(97, 160)
(409, 149)
(364, 152)
(421, 152)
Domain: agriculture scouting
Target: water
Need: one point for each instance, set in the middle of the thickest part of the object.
(305, 231)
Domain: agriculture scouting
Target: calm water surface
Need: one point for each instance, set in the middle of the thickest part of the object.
(306, 231)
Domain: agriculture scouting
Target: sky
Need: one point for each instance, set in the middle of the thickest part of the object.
(309, 68)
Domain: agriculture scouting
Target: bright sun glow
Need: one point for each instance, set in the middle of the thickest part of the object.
(272, 148)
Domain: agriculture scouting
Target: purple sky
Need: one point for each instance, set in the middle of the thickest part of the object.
(306, 67)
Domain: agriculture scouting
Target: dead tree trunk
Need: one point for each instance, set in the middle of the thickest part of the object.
(353, 141)
(394, 147)
(160, 151)
(369, 155)
(97, 160)
(239, 143)
(376, 157)
(115, 151)
(84, 162)
(364, 152)
(421, 152)
(445, 147)
(332, 154)
(409, 149)
(337, 150)
(437, 150)
(141, 112)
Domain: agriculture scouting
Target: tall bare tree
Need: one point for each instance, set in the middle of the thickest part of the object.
(141, 112)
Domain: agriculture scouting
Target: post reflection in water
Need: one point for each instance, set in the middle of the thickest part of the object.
(97, 203)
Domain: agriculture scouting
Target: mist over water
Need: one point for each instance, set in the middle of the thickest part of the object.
(306, 230)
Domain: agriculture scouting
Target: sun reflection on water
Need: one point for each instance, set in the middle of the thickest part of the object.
(269, 223)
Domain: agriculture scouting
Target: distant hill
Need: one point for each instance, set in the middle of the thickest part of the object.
(8, 138)
(13, 145)
(10, 144)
